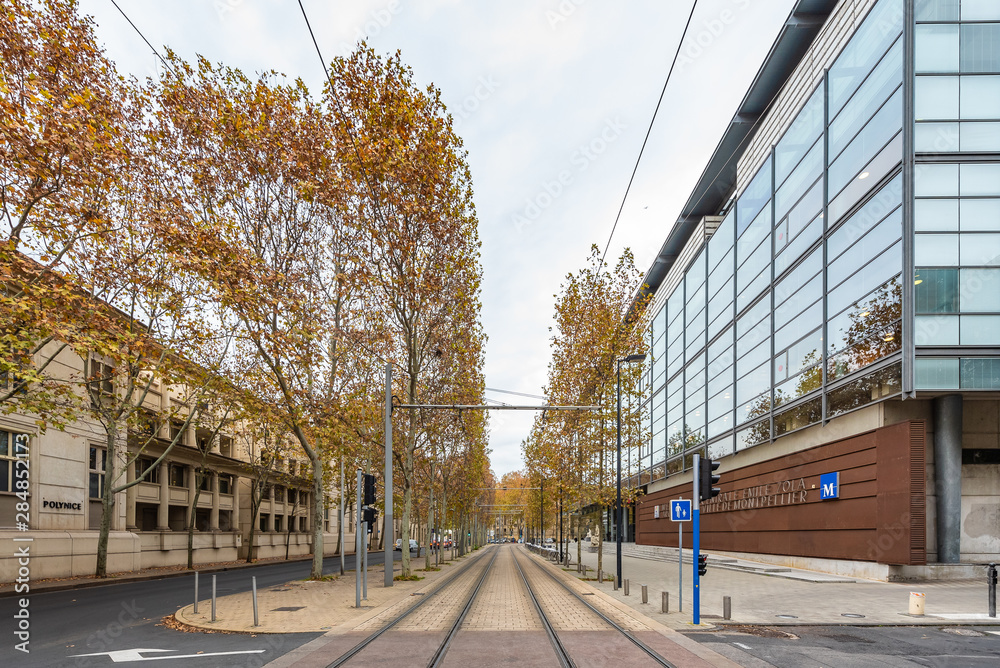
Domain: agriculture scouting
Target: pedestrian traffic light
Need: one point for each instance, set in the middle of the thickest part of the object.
(707, 478)
(702, 564)
(369, 515)
(368, 488)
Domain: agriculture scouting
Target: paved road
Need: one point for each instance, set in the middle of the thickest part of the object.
(857, 647)
(129, 616)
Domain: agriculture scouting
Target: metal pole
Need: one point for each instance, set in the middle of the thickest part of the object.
(389, 534)
(541, 511)
(196, 591)
(680, 566)
(364, 559)
(618, 482)
(991, 575)
(213, 597)
(696, 543)
(253, 580)
(342, 492)
(357, 550)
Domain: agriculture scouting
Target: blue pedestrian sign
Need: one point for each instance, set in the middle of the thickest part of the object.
(680, 510)
(829, 485)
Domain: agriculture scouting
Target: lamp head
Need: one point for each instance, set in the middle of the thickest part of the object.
(636, 358)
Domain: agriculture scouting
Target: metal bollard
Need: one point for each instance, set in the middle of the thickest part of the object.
(645, 594)
(253, 579)
(727, 607)
(213, 597)
(584, 572)
(665, 602)
(626, 586)
(614, 582)
(991, 578)
(196, 591)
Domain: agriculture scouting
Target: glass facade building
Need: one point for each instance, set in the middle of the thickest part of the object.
(855, 260)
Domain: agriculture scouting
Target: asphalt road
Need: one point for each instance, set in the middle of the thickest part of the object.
(129, 616)
(857, 646)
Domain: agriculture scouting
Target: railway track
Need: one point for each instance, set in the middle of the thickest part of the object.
(554, 605)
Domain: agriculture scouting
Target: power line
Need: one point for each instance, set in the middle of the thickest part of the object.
(520, 394)
(648, 132)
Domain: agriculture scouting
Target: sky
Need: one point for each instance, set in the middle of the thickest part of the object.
(553, 100)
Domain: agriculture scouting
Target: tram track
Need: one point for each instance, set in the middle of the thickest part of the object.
(443, 586)
(558, 646)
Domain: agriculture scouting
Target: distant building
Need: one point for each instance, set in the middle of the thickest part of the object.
(827, 306)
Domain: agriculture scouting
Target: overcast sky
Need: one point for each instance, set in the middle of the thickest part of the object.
(553, 99)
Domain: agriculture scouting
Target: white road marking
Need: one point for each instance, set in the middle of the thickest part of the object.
(130, 655)
(741, 645)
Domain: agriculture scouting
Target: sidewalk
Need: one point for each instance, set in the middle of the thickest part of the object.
(772, 596)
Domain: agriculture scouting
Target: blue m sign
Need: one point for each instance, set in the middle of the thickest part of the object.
(829, 484)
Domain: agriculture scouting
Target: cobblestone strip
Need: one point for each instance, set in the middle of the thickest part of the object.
(503, 604)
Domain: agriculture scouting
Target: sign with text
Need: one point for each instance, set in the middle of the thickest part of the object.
(680, 510)
(829, 485)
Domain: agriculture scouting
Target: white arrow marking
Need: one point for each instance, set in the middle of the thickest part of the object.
(127, 655)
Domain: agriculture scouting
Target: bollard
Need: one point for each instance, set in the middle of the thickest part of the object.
(600, 576)
(991, 578)
(213, 597)
(665, 602)
(614, 582)
(645, 594)
(727, 607)
(254, 584)
(584, 572)
(579, 568)
(196, 591)
(626, 586)
(916, 603)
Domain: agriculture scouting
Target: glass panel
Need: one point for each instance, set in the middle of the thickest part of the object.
(870, 245)
(980, 249)
(979, 10)
(882, 383)
(936, 373)
(936, 48)
(753, 383)
(980, 47)
(804, 175)
(937, 10)
(887, 160)
(721, 448)
(937, 137)
(882, 82)
(980, 330)
(751, 292)
(868, 315)
(980, 214)
(811, 317)
(980, 290)
(980, 136)
(753, 435)
(4, 444)
(936, 98)
(868, 142)
(880, 29)
(5, 481)
(936, 215)
(980, 97)
(806, 127)
(980, 180)
(936, 250)
(936, 290)
(802, 415)
(754, 198)
(801, 243)
(936, 180)
(980, 374)
(936, 330)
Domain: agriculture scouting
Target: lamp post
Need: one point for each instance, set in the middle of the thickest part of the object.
(618, 510)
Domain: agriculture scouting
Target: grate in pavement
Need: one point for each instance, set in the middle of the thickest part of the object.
(786, 616)
(852, 615)
(288, 608)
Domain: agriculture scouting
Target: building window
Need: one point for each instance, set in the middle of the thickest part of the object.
(277, 522)
(98, 465)
(146, 464)
(205, 477)
(225, 483)
(264, 520)
(178, 475)
(279, 493)
(9, 449)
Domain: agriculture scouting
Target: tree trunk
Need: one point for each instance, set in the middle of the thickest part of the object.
(192, 514)
(316, 572)
(254, 512)
(291, 521)
(107, 502)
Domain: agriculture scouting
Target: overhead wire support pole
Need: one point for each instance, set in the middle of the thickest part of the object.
(505, 407)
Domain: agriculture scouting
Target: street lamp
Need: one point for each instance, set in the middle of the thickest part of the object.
(618, 511)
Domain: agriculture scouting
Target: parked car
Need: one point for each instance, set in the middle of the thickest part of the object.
(414, 545)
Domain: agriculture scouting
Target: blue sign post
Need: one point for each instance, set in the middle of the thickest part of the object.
(829, 485)
(696, 544)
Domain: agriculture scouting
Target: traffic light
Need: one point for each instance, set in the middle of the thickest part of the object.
(369, 515)
(707, 478)
(368, 487)
(702, 564)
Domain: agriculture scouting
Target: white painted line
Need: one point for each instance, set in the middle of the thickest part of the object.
(741, 645)
(130, 655)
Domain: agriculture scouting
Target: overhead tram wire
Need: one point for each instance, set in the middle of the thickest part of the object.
(520, 394)
(649, 131)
